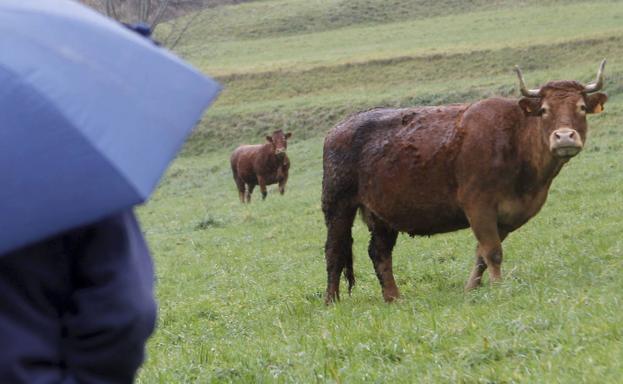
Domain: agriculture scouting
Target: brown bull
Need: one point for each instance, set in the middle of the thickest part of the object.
(427, 170)
(262, 164)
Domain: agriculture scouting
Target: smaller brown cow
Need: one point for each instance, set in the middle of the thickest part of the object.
(262, 164)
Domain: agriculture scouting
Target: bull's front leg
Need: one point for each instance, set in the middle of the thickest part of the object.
(480, 265)
(282, 187)
(483, 222)
(475, 277)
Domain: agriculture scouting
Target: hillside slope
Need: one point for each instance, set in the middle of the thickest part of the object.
(306, 81)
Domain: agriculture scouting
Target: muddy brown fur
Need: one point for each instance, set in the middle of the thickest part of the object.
(487, 165)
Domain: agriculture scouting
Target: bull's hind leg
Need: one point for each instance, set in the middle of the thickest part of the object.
(382, 241)
(339, 249)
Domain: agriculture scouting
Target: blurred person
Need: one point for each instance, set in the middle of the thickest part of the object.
(79, 307)
(84, 139)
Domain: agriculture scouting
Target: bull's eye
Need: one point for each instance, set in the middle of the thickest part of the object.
(542, 111)
(583, 108)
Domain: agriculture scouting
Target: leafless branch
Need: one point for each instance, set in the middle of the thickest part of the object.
(191, 20)
(164, 4)
(155, 12)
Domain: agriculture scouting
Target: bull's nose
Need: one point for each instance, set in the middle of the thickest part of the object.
(565, 136)
(566, 142)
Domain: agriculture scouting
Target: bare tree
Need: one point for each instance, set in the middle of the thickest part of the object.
(149, 12)
(155, 12)
(177, 31)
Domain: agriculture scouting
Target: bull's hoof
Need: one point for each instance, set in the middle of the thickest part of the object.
(391, 295)
(471, 285)
(331, 298)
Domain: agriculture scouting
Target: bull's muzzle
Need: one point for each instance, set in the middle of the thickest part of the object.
(565, 142)
(280, 151)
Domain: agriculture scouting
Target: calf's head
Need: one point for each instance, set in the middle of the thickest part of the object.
(561, 107)
(279, 142)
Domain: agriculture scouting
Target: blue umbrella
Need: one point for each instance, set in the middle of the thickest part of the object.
(91, 114)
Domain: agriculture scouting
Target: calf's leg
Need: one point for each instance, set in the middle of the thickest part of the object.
(250, 188)
(262, 183)
(240, 186)
(282, 183)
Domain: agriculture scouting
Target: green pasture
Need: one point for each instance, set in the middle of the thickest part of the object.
(240, 287)
(258, 19)
(458, 33)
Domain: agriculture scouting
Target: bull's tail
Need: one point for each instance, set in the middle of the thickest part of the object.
(349, 272)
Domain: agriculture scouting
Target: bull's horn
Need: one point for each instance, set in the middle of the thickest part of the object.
(599, 81)
(522, 85)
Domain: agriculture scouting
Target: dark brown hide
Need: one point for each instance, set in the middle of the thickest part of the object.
(262, 164)
(428, 170)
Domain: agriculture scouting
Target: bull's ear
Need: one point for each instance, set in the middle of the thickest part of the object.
(269, 139)
(595, 102)
(531, 106)
(288, 135)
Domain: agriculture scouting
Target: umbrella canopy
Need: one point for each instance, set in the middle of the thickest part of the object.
(91, 114)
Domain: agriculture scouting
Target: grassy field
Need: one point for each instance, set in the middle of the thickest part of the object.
(240, 287)
(447, 34)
